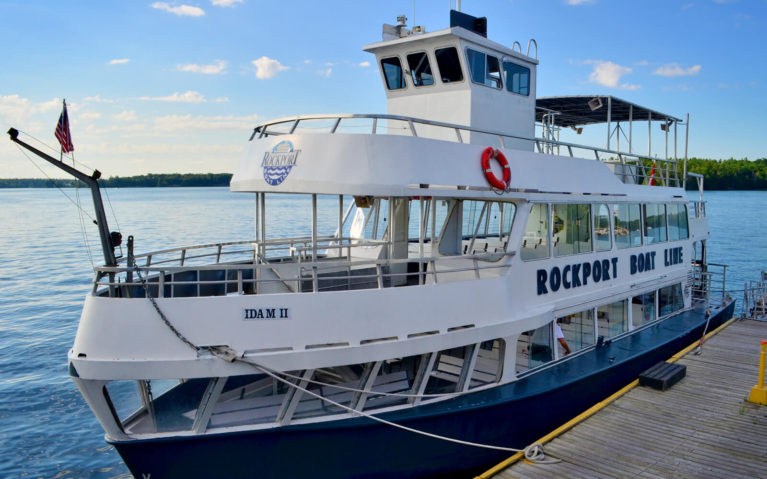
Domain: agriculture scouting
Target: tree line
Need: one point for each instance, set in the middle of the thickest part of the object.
(729, 174)
(142, 181)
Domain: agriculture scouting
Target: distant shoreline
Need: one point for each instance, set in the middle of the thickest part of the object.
(729, 174)
(143, 181)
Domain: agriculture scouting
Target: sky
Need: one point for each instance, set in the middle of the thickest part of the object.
(177, 87)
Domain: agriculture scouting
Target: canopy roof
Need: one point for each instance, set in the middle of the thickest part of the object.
(577, 110)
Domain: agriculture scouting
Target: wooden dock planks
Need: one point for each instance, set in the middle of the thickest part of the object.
(700, 428)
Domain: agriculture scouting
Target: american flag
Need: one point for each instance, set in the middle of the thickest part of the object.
(62, 131)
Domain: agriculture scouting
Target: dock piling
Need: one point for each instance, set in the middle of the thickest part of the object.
(759, 392)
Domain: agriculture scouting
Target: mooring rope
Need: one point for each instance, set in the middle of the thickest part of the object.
(533, 452)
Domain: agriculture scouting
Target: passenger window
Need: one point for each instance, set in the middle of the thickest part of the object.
(602, 237)
(420, 70)
(485, 227)
(677, 221)
(628, 225)
(535, 243)
(572, 229)
(392, 69)
(448, 375)
(643, 309)
(489, 363)
(612, 319)
(578, 329)
(534, 348)
(517, 78)
(670, 299)
(654, 223)
(449, 65)
(485, 69)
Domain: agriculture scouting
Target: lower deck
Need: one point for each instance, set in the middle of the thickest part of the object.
(701, 427)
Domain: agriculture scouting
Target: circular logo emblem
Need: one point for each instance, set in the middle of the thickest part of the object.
(278, 162)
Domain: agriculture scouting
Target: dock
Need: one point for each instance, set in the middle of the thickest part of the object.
(702, 427)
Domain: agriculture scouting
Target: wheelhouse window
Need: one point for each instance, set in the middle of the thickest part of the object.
(535, 243)
(449, 65)
(602, 236)
(677, 221)
(517, 78)
(571, 229)
(485, 69)
(628, 225)
(420, 69)
(393, 74)
(654, 223)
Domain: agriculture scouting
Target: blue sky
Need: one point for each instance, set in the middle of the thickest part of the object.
(177, 86)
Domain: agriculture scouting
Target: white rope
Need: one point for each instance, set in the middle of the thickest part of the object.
(376, 418)
(534, 451)
(362, 391)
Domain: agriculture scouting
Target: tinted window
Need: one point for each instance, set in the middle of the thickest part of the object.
(392, 69)
(449, 65)
(420, 70)
(485, 69)
(517, 78)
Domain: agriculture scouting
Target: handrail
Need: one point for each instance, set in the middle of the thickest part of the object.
(630, 159)
(117, 277)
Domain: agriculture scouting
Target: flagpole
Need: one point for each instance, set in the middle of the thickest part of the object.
(61, 147)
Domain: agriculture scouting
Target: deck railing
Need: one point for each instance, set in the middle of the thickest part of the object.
(629, 167)
(709, 283)
(282, 266)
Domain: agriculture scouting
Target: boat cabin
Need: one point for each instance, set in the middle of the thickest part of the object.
(458, 76)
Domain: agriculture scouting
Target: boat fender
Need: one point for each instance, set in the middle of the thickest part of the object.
(489, 153)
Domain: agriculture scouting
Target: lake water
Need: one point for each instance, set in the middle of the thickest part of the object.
(46, 429)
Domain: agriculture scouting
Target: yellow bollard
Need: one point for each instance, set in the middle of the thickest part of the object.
(759, 392)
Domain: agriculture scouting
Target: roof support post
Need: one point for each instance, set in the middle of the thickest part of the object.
(649, 134)
(609, 118)
(631, 124)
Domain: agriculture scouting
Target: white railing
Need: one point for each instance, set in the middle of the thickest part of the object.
(633, 168)
(242, 268)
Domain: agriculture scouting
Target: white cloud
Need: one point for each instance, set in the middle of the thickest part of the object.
(579, 2)
(180, 10)
(215, 69)
(365, 64)
(225, 3)
(188, 122)
(97, 99)
(325, 73)
(267, 67)
(91, 115)
(186, 97)
(126, 115)
(609, 74)
(15, 109)
(119, 61)
(675, 70)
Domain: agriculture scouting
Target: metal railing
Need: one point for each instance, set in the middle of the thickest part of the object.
(755, 299)
(197, 271)
(633, 168)
(708, 284)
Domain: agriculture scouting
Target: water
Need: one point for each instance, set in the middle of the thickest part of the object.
(46, 429)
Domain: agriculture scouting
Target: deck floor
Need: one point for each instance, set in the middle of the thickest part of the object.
(702, 427)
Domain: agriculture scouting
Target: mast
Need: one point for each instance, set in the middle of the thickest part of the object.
(107, 243)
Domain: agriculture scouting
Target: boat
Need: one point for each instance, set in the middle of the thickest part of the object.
(465, 282)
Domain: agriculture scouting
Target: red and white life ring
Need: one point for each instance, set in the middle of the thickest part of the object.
(489, 175)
